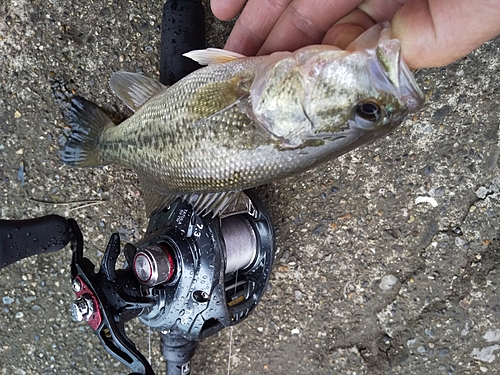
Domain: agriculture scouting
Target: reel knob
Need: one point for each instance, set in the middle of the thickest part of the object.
(82, 308)
(154, 265)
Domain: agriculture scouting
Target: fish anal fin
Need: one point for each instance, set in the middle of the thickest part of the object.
(212, 203)
(134, 89)
(212, 56)
(155, 200)
(202, 203)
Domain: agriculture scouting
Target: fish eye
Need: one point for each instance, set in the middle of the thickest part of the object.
(368, 113)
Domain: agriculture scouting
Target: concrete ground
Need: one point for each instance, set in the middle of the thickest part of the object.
(388, 257)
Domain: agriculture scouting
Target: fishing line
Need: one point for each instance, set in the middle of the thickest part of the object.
(149, 341)
(231, 331)
(230, 347)
(241, 249)
(241, 243)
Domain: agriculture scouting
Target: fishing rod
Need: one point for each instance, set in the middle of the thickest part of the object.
(189, 277)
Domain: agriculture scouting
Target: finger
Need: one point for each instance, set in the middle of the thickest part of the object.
(254, 25)
(305, 22)
(434, 34)
(226, 9)
(358, 21)
(348, 29)
(382, 10)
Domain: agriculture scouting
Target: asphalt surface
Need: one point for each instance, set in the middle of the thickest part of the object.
(388, 257)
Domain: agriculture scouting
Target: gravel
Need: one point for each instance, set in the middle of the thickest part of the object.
(416, 212)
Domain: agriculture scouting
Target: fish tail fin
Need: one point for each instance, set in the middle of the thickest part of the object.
(87, 122)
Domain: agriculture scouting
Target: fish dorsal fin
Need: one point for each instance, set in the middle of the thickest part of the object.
(134, 89)
(212, 56)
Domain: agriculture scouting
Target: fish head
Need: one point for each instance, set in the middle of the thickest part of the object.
(322, 92)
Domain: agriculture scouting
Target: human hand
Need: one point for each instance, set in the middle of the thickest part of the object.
(432, 32)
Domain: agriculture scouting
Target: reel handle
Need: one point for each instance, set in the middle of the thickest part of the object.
(20, 239)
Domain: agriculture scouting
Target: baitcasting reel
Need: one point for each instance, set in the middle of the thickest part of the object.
(188, 278)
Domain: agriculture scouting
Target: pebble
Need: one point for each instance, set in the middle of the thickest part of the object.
(428, 169)
(19, 315)
(443, 352)
(298, 294)
(429, 332)
(439, 192)
(387, 282)
(442, 112)
(362, 221)
(411, 342)
(317, 231)
(486, 354)
(422, 199)
(482, 192)
(492, 335)
(7, 300)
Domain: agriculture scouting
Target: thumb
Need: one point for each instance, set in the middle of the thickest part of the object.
(434, 33)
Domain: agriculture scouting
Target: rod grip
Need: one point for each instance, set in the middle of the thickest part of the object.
(182, 30)
(178, 352)
(20, 239)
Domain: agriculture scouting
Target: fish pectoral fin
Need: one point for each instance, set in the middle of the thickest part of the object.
(215, 97)
(212, 56)
(134, 89)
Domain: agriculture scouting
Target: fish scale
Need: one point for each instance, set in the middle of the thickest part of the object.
(243, 122)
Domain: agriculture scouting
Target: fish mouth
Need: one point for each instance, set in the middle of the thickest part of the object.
(409, 91)
(390, 73)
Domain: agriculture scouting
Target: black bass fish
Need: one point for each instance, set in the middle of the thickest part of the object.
(243, 121)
